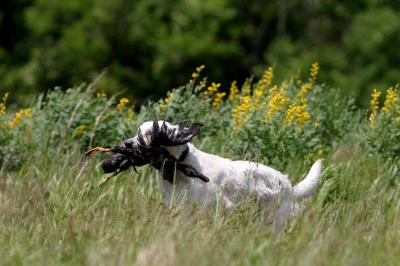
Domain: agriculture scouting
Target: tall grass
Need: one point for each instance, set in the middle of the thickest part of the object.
(48, 217)
(52, 212)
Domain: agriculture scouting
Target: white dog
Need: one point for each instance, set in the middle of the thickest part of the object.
(229, 181)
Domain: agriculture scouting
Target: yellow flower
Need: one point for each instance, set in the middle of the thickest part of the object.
(276, 101)
(164, 103)
(314, 71)
(258, 93)
(297, 113)
(3, 104)
(233, 91)
(203, 83)
(374, 104)
(241, 112)
(372, 117)
(28, 112)
(2, 109)
(18, 117)
(101, 94)
(130, 113)
(79, 131)
(246, 89)
(218, 99)
(212, 89)
(374, 99)
(305, 88)
(266, 79)
(284, 86)
(122, 103)
(391, 98)
(197, 72)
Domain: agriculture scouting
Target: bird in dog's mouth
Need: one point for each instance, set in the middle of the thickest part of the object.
(133, 152)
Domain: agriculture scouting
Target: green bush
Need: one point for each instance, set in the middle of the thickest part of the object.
(273, 124)
(62, 120)
(381, 133)
(320, 116)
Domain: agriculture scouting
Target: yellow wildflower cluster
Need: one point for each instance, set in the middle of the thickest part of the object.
(164, 103)
(212, 89)
(391, 98)
(197, 72)
(202, 83)
(246, 90)
(259, 93)
(374, 104)
(18, 117)
(79, 131)
(3, 104)
(130, 113)
(122, 103)
(267, 77)
(265, 81)
(374, 99)
(276, 101)
(297, 113)
(314, 71)
(304, 89)
(233, 91)
(218, 99)
(241, 112)
(101, 94)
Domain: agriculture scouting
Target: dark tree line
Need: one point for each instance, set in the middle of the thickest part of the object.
(150, 46)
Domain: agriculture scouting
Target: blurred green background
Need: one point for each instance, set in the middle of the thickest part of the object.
(151, 46)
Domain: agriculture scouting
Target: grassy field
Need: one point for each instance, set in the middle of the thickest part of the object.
(50, 217)
(53, 213)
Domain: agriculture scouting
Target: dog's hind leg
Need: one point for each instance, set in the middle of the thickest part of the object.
(287, 208)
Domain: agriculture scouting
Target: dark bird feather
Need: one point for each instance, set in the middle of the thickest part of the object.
(169, 136)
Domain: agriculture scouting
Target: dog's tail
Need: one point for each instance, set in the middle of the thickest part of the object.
(309, 184)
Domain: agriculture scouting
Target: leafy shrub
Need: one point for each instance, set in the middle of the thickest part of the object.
(62, 120)
(292, 120)
(262, 121)
(381, 134)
